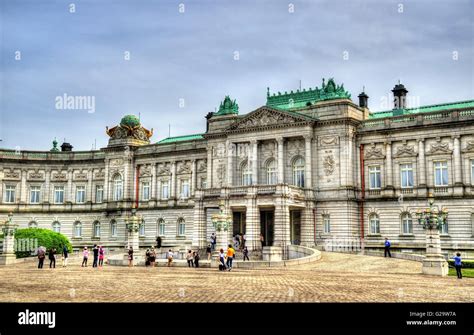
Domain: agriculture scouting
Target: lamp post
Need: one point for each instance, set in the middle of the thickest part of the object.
(9, 229)
(221, 223)
(433, 219)
(133, 226)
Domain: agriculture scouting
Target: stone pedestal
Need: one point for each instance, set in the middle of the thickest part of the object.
(272, 254)
(222, 240)
(8, 253)
(434, 262)
(133, 240)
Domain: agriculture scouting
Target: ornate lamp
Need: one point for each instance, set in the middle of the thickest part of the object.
(432, 219)
(133, 226)
(221, 223)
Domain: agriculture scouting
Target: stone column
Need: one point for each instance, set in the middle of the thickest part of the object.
(193, 177)
(308, 162)
(209, 166)
(388, 165)
(106, 182)
(281, 161)
(69, 194)
(89, 192)
(46, 194)
(230, 165)
(173, 181)
(282, 227)
(252, 226)
(254, 162)
(421, 171)
(8, 254)
(457, 160)
(126, 180)
(200, 224)
(23, 188)
(307, 225)
(153, 182)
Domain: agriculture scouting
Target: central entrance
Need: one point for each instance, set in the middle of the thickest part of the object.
(238, 223)
(267, 227)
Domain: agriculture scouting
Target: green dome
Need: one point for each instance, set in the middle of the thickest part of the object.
(130, 121)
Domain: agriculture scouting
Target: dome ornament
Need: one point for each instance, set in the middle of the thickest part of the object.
(129, 132)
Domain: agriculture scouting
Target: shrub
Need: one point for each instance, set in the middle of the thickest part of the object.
(467, 264)
(46, 238)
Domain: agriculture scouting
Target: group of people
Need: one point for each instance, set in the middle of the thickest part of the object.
(98, 252)
(51, 253)
(193, 258)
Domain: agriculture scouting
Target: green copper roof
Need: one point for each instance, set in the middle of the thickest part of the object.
(423, 109)
(301, 99)
(181, 138)
(130, 121)
(228, 107)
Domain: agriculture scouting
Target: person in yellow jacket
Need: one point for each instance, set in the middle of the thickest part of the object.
(230, 256)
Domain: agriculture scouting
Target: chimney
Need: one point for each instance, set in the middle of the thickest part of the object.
(66, 147)
(208, 116)
(363, 100)
(399, 96)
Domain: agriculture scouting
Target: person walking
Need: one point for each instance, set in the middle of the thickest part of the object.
(130, 256)
(246, 254)
(158, 242)
(221, 258)
(41, 257)
(387, 248)
(52, 258)
(85, 256)
(147, 258)
(209, 252)
(213, 241)
(65, 255)
(152, 257)
(230, 256)
(190, 259)
(95, 251)
(170, 257)
(458, 265)
(244, 240)
(196, 258)
(101, 256)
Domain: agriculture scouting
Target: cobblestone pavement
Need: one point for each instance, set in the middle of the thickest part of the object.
(335, 278)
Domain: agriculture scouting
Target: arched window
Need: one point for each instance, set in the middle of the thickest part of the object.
(298, 172)
(181, 227)
(161, 227)
(77, 229)
(141, 228)
(96, 227)
(272, 177)
(246, 174)
(374, 224)
(56, 227)
(113, 228)
(407, 223)
(117, 187)
(33, 224)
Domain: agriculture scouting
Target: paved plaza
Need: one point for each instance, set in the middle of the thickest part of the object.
(335, 278)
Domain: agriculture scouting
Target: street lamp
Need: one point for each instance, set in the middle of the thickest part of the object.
(433, 219)
(9, 229)
(221, 223)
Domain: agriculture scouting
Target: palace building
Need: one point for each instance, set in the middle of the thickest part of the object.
(308, 167)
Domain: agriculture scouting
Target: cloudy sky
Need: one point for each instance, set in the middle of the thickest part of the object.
(143, 56)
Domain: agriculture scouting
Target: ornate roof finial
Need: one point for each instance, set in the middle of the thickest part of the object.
(228, 106)
(55, 146)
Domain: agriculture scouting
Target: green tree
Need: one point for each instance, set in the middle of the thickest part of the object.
(46, 238)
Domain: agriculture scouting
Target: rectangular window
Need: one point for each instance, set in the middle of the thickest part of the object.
(80, 194)
(441, 173)
(203, 183)
(10, 193)
(375, 180)
(185, 188)
(145, 191)
(406, 175)
(327, 224)
(165, 189)
(35, 194)
(58, 194)
(99, 194)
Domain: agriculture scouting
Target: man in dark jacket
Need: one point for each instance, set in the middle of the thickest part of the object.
(96, 255)
(387, 248)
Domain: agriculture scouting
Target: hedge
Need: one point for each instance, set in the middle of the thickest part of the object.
(465, 264)
(46, 238)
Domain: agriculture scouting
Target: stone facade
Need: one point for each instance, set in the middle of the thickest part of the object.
(328, 169)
